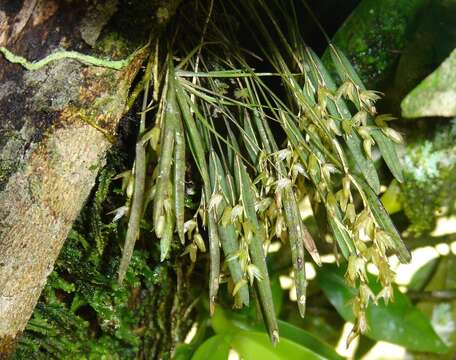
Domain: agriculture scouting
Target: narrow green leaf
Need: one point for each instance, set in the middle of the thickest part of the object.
(342, 238)
(343, 66)
(228, 236)
(387, 148)
(340, 110)
(385, 222)
(135, 212)
(232, 151)
(200, 159)
(364, 164)
(165, 159)
(295, 237)
(256, 249)
(214, 251)
(192, 131)
(179, 181)
(250, 140)
(167, 237)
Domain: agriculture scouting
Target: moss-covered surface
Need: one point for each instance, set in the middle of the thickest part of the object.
(132, 23)
(84, 314)
(374, 35)
(430, 177)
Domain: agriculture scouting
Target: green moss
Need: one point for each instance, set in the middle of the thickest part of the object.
(430, 176)
(83, 313)
(7, 168)
(10, 155)
(114, 44)
(131, 25)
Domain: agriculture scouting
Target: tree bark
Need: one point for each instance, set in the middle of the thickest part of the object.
(55, 126)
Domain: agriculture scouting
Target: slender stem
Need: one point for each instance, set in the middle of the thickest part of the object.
(436, 295)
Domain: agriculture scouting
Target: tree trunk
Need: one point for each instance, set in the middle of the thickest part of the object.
(55, 127)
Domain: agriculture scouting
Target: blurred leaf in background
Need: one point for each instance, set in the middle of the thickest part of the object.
(397, 322)
(438, 300)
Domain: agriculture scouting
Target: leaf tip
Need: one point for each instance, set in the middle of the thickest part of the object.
(275, 337)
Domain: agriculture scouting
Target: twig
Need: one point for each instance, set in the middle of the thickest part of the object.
(437, 295)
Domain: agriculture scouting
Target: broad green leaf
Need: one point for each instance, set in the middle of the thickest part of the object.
(186, 351)
(215, 348)
(232, 322)
(183, 352)
(371, 31)
(306, 339)
(224, 321)
(425, 50)
(422, 276)
(399, 322)
(435, 95)
(277, 294)
(256, 345)
(442, 313)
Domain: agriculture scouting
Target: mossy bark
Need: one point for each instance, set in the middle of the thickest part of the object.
(56, 124)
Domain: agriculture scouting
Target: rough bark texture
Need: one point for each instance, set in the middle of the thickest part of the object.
(51, 145)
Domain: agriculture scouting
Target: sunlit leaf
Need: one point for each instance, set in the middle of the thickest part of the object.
(225, 321)
(215, 348)
(256, 345)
